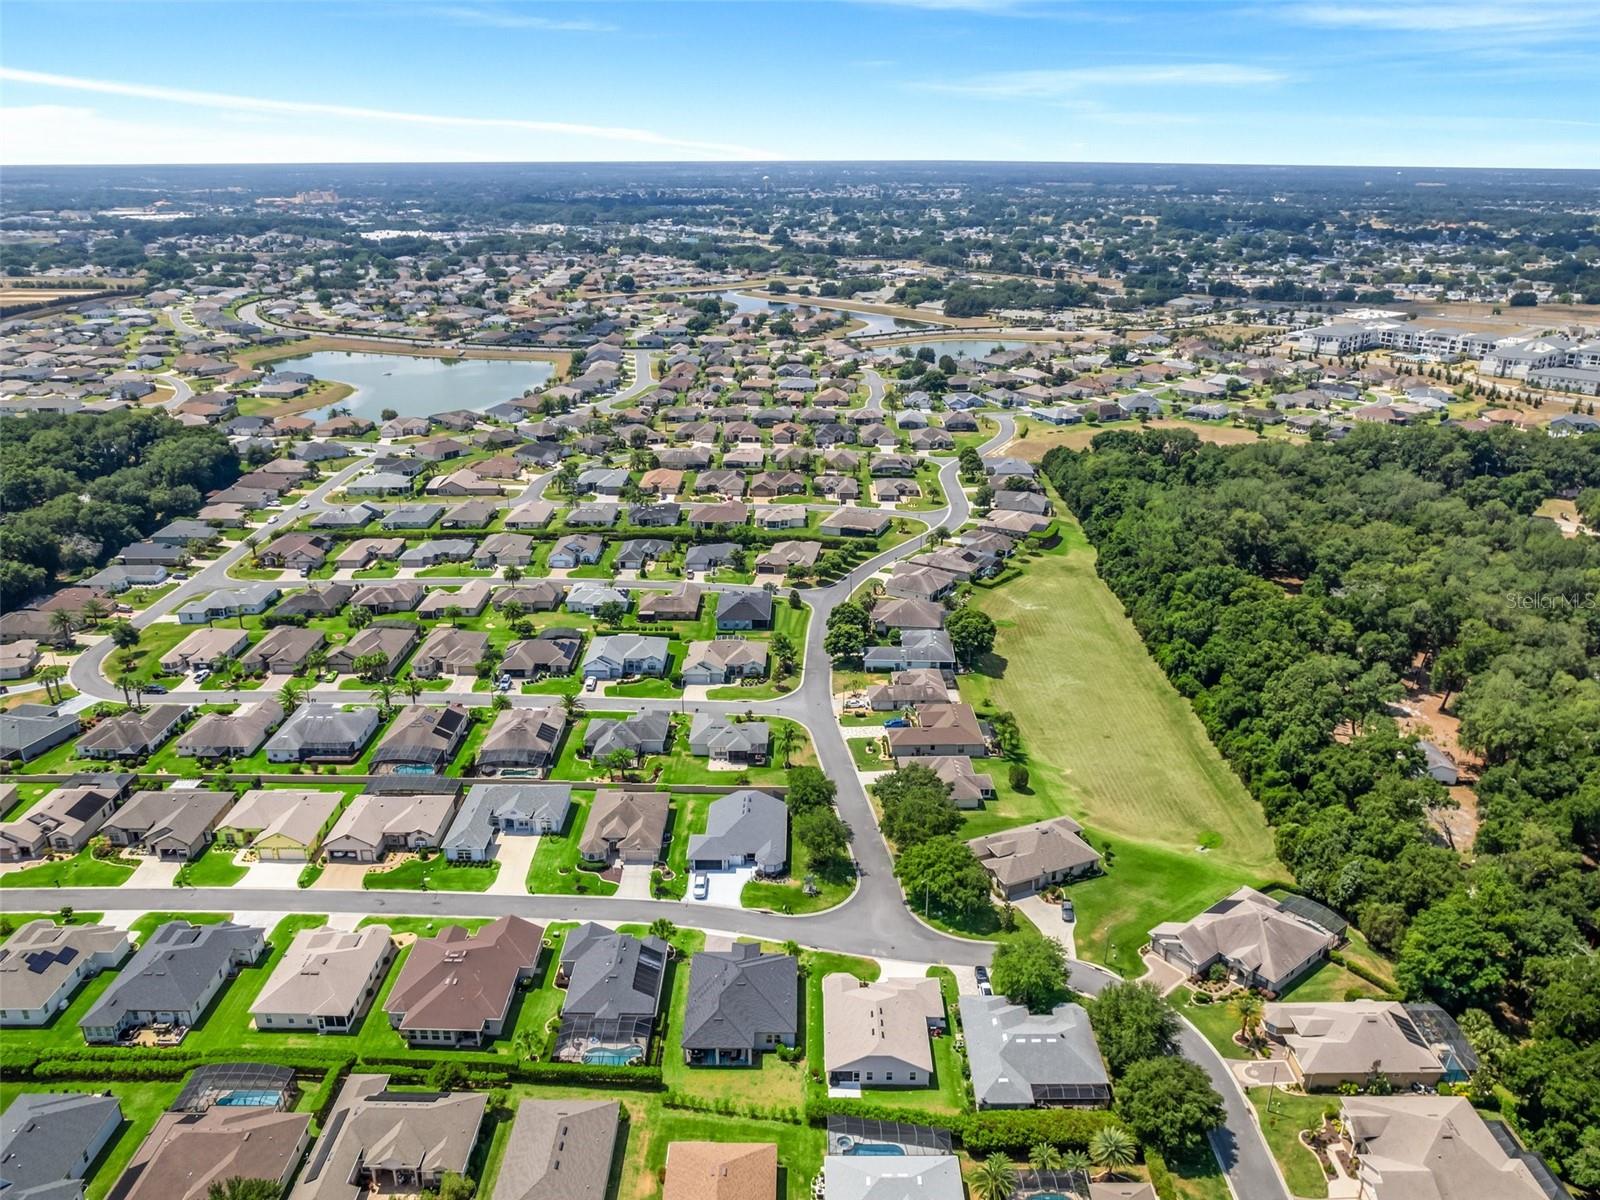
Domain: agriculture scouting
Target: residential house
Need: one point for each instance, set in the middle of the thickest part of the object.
(43, 964)
(876, 1034)
(553, 652)
(746, 828)
(373, 825)
(377, 1141)
(392, 639)
(171, 979)
(969, 788)
(724, 660)
(280, 825)
(30, 730)
(204, 648)
(52, 1139)
(640, 733)
(725, 740)
(285, 650)
(742, 1003)
(236, 734)
(325, 981)
(1436, 1147)
(613, 982)
(906, 689)
(188, 1154)
(505, 808)
(65, 819)
(1034, 857)
(522, 739)
(896, 1177)
(625, 827)
(319, 732)
(721, 1170)
(391, 596)
(133, 734)
(247, 600)
(1032, 1060)
(559, 1150)
(449, 651)
(591, 597)
(623, 654)
(1261, 943)
(682, 603)
(744, 609)
(940, 729)
(172, 825)
(468, 601)
(456, 988)
(1332, 1044)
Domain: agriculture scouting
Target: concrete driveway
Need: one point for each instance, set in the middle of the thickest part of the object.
(1047, 918)
(514, 853)
(634, 884)
(342, 877)
(725, 887)
(273, 875)
(154, 872)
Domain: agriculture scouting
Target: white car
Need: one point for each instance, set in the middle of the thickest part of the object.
(305, 504)
(702, 887)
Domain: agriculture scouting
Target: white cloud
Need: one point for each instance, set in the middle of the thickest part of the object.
(496, 17)
(1450, 16)
(225, 102)
(1073, 82)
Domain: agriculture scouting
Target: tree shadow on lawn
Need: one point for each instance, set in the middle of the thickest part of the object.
(991, 665)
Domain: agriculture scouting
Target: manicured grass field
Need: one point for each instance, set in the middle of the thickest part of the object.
(1289, 1115)
(1098, 717)
(214, 868)
(81, 870)
(435, 874)
(555, 868)
(788, 895)
(1216, 1021)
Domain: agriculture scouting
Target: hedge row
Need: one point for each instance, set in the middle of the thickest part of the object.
(1011, 1132)
(1362, 971)
(1160, 1176)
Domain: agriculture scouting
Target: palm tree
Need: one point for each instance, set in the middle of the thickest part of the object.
(572, 707)
(1247, 1006)
(126, 682)
(61, 626)
(413, 688)
(93, 612)
(996, 1179)
(1044, 1157)
(290, 694)
(783, 740)
(51, 677)
(513, 573)
(385, 691)
(1112, 1148)
(239, 1188)
(1076, 1160)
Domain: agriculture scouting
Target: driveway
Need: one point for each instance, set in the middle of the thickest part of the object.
(725, 887)
(514, 853)
(342, 877)
(635, 882)
(273, 875)
(154, 872)
(1047, 918)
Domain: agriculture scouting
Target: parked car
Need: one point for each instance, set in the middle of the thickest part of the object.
(984, 987)
(896, 723)
(590, 683)
(1068, 913)
(305, 504)
(702, 887)
(156, 689)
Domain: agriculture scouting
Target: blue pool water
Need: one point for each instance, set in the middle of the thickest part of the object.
(875, 1149)
(613, 1056)
(248, 1099)
(410, 770)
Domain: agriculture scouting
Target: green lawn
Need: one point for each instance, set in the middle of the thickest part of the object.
(1330, 981)
(423, 926)
(1288, 1116)
(800, 1147)
(214, 868)
(1102, 724)
(555, 869)
(1198, 1177)
(144, 926)
(818, 965)
(434, 874)
(1216, 1021)
(788, 895)
(1143, 885)
(81, 870)
(10, 922)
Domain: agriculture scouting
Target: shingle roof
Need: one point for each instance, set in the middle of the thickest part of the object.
(737, 995)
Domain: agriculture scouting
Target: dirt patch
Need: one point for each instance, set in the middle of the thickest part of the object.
(1042, 439)
(1422, 712)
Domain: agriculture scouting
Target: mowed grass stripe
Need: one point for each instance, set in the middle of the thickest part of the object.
(1091, 704)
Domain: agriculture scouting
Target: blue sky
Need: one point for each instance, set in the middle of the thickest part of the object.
(1396, 82)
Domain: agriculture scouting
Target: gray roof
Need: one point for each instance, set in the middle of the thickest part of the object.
(559, 1150)
(892, 1177)
(171, 970)
(28, 724)
(736, 995)
(49, 1139)
(754, 604)
(487, 805)
(38, 958)
(743, 823)
(325, 725)
(605, 734)
(1020, 1059)
(612, 975)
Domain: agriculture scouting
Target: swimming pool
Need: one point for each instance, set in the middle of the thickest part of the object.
(409, 769)
(613, 1056)
(248, 1099)
(875, 1149)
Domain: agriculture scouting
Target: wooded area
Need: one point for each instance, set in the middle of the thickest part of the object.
(1288, 591)
(77, 488)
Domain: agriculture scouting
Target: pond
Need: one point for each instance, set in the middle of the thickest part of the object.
(872, 322)
(957, 348)
(419, 387)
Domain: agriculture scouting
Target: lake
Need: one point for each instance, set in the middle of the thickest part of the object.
(972, 347)
(419, 387)
(873, 322)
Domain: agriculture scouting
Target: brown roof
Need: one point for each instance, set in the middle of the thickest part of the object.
(456, 980)
(721, 1171)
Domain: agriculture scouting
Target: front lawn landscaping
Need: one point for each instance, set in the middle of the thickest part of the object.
(555, 869)
(81, 870)
(1281, 1124)
(434, 873)
(214, 868)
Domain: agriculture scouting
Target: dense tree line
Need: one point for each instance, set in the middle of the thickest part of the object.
(1288, 590)
(75, 489)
